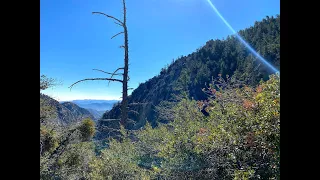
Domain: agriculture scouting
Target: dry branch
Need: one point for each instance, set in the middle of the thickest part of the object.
(134, 112)
(114, 74)
(117, 35)
(106, 72)
(118, 24)
(108, 16)
(94, 79)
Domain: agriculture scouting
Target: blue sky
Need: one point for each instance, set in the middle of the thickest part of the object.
(73, 41)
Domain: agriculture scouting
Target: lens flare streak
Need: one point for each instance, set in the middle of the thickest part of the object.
(243, 41)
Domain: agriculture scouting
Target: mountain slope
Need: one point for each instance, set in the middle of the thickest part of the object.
(189, 74)
(67, 112)
(96, 114)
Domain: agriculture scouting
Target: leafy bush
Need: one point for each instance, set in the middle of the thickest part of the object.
(87, 129)
(119, 161)
(74, 162)
(239, 139)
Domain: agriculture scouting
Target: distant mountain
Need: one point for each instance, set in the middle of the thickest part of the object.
(97, 105)
(96, 114)
(90, 101)
(67, 112)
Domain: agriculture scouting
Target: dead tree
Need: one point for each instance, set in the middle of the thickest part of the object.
(125, 79)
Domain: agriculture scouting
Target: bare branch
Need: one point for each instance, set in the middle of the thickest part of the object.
(118, 24)
(108, 16)
(101, 71)
(134, 112)
(94, 79)
(121, 46)
(117, 34)
(114, 74)
(106, 72)
(116, 71)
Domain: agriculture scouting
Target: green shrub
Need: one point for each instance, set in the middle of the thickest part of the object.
(87, 129)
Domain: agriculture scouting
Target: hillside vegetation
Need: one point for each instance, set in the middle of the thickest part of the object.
(189, 74)
(238, 139)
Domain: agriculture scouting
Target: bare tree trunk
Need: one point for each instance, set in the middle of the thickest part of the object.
(124, 81)
(124, 108)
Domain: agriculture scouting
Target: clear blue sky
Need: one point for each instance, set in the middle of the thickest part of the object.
(73, 41)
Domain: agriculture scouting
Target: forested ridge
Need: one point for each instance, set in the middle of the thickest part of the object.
(189, 74)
